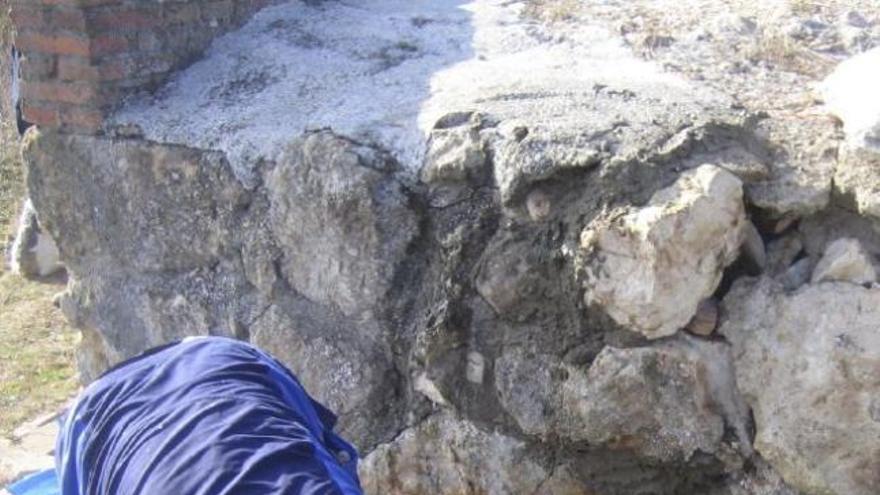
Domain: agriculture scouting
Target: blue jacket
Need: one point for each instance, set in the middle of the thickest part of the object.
(207, 416)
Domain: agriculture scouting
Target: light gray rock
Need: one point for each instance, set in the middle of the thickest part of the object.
(165, 243)
(797, 274)
(803, 166)
(845, 260)
(445, 455)
(147, 233)
(650, 268)
(818, 231)
(782, 253)
(512, 276)
(802, 175)
(345, 218)
(526, 388)
(806, 362)
(665, 402)
(455, 154)
(856, 179)
(33, 252)
(337, 362)
(850, 94)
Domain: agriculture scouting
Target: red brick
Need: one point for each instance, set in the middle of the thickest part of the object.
(113, 70)
(66, 19)
(77, 69)
(82, 119)
(41, 116)
(130, 18)
(47, 43)
(27, 17)
(38, 66)
(77, 3)
(108, 45)
(65, 92)
(83, 69)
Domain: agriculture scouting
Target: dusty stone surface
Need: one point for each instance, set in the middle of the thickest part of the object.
(845, 261)
(385, 71)
(651, 268)
(435, 214)
(810, 380)
(855, 180)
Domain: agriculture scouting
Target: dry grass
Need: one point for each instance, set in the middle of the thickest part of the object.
(552, 10)
(782, 51)
(36, 345)
(11, 181)
(36, 351)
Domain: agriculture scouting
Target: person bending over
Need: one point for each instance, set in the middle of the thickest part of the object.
(206, 416)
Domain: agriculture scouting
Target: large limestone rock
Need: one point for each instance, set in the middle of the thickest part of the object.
(650, 268)
(165, 243)
(808, 364)
(445, 455)
(665, 402)
(845, 260)
(348, 218)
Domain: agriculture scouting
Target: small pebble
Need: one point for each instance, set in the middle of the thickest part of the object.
(539, 205)
(706, 319)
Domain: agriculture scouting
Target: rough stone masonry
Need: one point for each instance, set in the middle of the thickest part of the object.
(480, 238)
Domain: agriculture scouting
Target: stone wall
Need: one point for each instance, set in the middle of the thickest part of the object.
(81, 57)
(513, 258)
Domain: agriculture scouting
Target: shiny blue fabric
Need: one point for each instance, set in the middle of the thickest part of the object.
(41, 483)
(207, 416)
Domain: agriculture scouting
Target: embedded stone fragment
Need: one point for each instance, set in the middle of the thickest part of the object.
(649, 268)
(845, 260)
(797, 274)
(454, 155)
(808, 364)
(538, 204)
(706, 319)
(527, 389)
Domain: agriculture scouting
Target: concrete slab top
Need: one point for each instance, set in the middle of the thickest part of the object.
(384, 71)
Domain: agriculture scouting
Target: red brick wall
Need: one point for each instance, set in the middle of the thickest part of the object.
(80, 57)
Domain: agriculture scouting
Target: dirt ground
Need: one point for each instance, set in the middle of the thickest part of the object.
(37, 372)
